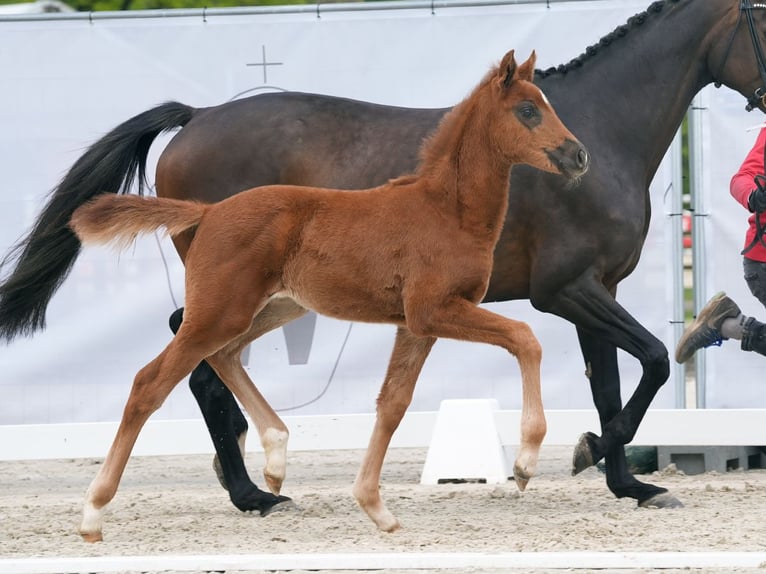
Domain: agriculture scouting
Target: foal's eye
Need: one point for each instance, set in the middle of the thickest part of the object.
(527, 111)
(528, 114)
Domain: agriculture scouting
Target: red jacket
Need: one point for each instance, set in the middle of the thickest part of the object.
(742, 183)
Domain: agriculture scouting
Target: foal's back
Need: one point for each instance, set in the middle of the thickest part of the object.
(348, 255)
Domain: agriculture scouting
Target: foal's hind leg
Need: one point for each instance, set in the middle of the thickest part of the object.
(150, 387)
(224, 418)
(271, 428)
(407, 358)
(460, 319)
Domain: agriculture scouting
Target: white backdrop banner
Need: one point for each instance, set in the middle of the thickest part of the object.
(68, 81)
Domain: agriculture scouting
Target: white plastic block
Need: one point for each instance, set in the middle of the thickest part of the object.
(465, 444)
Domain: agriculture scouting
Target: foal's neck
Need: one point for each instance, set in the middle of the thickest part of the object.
(470, 177)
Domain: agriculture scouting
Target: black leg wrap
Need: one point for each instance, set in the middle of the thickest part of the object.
(754, 336)
(176, 318)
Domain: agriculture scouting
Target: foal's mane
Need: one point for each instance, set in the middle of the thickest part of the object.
(443, 140)
(619, 32)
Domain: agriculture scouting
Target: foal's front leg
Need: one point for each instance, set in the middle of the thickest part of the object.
(407, 358)
(460, 319)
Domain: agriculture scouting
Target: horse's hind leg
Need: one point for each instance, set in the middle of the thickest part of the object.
(460, 319)
(407, 358)
(227, 427)
(271, 429)
(243, 493)
(150, 387)
(226, 424)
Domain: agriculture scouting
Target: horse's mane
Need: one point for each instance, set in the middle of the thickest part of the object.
(633, 22)
(451, 126)
(443, 139)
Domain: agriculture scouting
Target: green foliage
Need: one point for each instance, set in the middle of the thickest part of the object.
(96, 5)
(156, 4)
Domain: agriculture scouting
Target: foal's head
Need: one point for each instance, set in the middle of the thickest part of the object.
(525, 128)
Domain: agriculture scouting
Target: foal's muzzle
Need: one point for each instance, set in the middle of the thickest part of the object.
(571, 158)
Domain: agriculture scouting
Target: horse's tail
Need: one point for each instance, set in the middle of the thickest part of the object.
(120, 219)
(44, 257)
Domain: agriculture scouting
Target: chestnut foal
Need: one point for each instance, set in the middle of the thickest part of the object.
(416, 252)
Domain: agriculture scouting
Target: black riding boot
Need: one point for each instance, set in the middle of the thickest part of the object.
(754, 336)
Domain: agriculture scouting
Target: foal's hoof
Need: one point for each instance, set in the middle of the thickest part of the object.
(661, 500)
(521, 478)
(91, 536)
(283, 504)
(273, 482)
(583, 454)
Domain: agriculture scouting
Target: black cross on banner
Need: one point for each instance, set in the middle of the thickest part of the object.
(264, 63)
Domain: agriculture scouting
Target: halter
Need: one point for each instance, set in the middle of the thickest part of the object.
(746, 7)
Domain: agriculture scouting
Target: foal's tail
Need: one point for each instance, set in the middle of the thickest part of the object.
(119, 219)
(44, 257)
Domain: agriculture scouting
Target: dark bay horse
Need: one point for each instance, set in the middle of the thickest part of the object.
(625, 97)
(415, 252)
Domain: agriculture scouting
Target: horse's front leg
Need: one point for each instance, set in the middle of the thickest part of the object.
(603, 326)
(603, 373)
(407, 358)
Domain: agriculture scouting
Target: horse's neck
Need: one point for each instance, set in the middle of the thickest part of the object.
(640, 86)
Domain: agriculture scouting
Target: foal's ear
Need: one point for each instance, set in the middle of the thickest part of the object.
(527, 70)
(507, 69)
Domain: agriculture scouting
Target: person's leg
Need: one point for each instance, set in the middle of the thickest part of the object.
(721, 319)
(718, 320)
(755, 277)
(753, 331)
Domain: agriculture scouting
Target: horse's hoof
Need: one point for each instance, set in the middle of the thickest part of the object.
(661, 500)
(283, 505)
(583, 455)
(219, 472)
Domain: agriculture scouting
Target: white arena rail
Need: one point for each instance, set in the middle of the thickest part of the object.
(666, 427)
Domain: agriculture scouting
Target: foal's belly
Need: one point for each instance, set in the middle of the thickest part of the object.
(369, 304)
